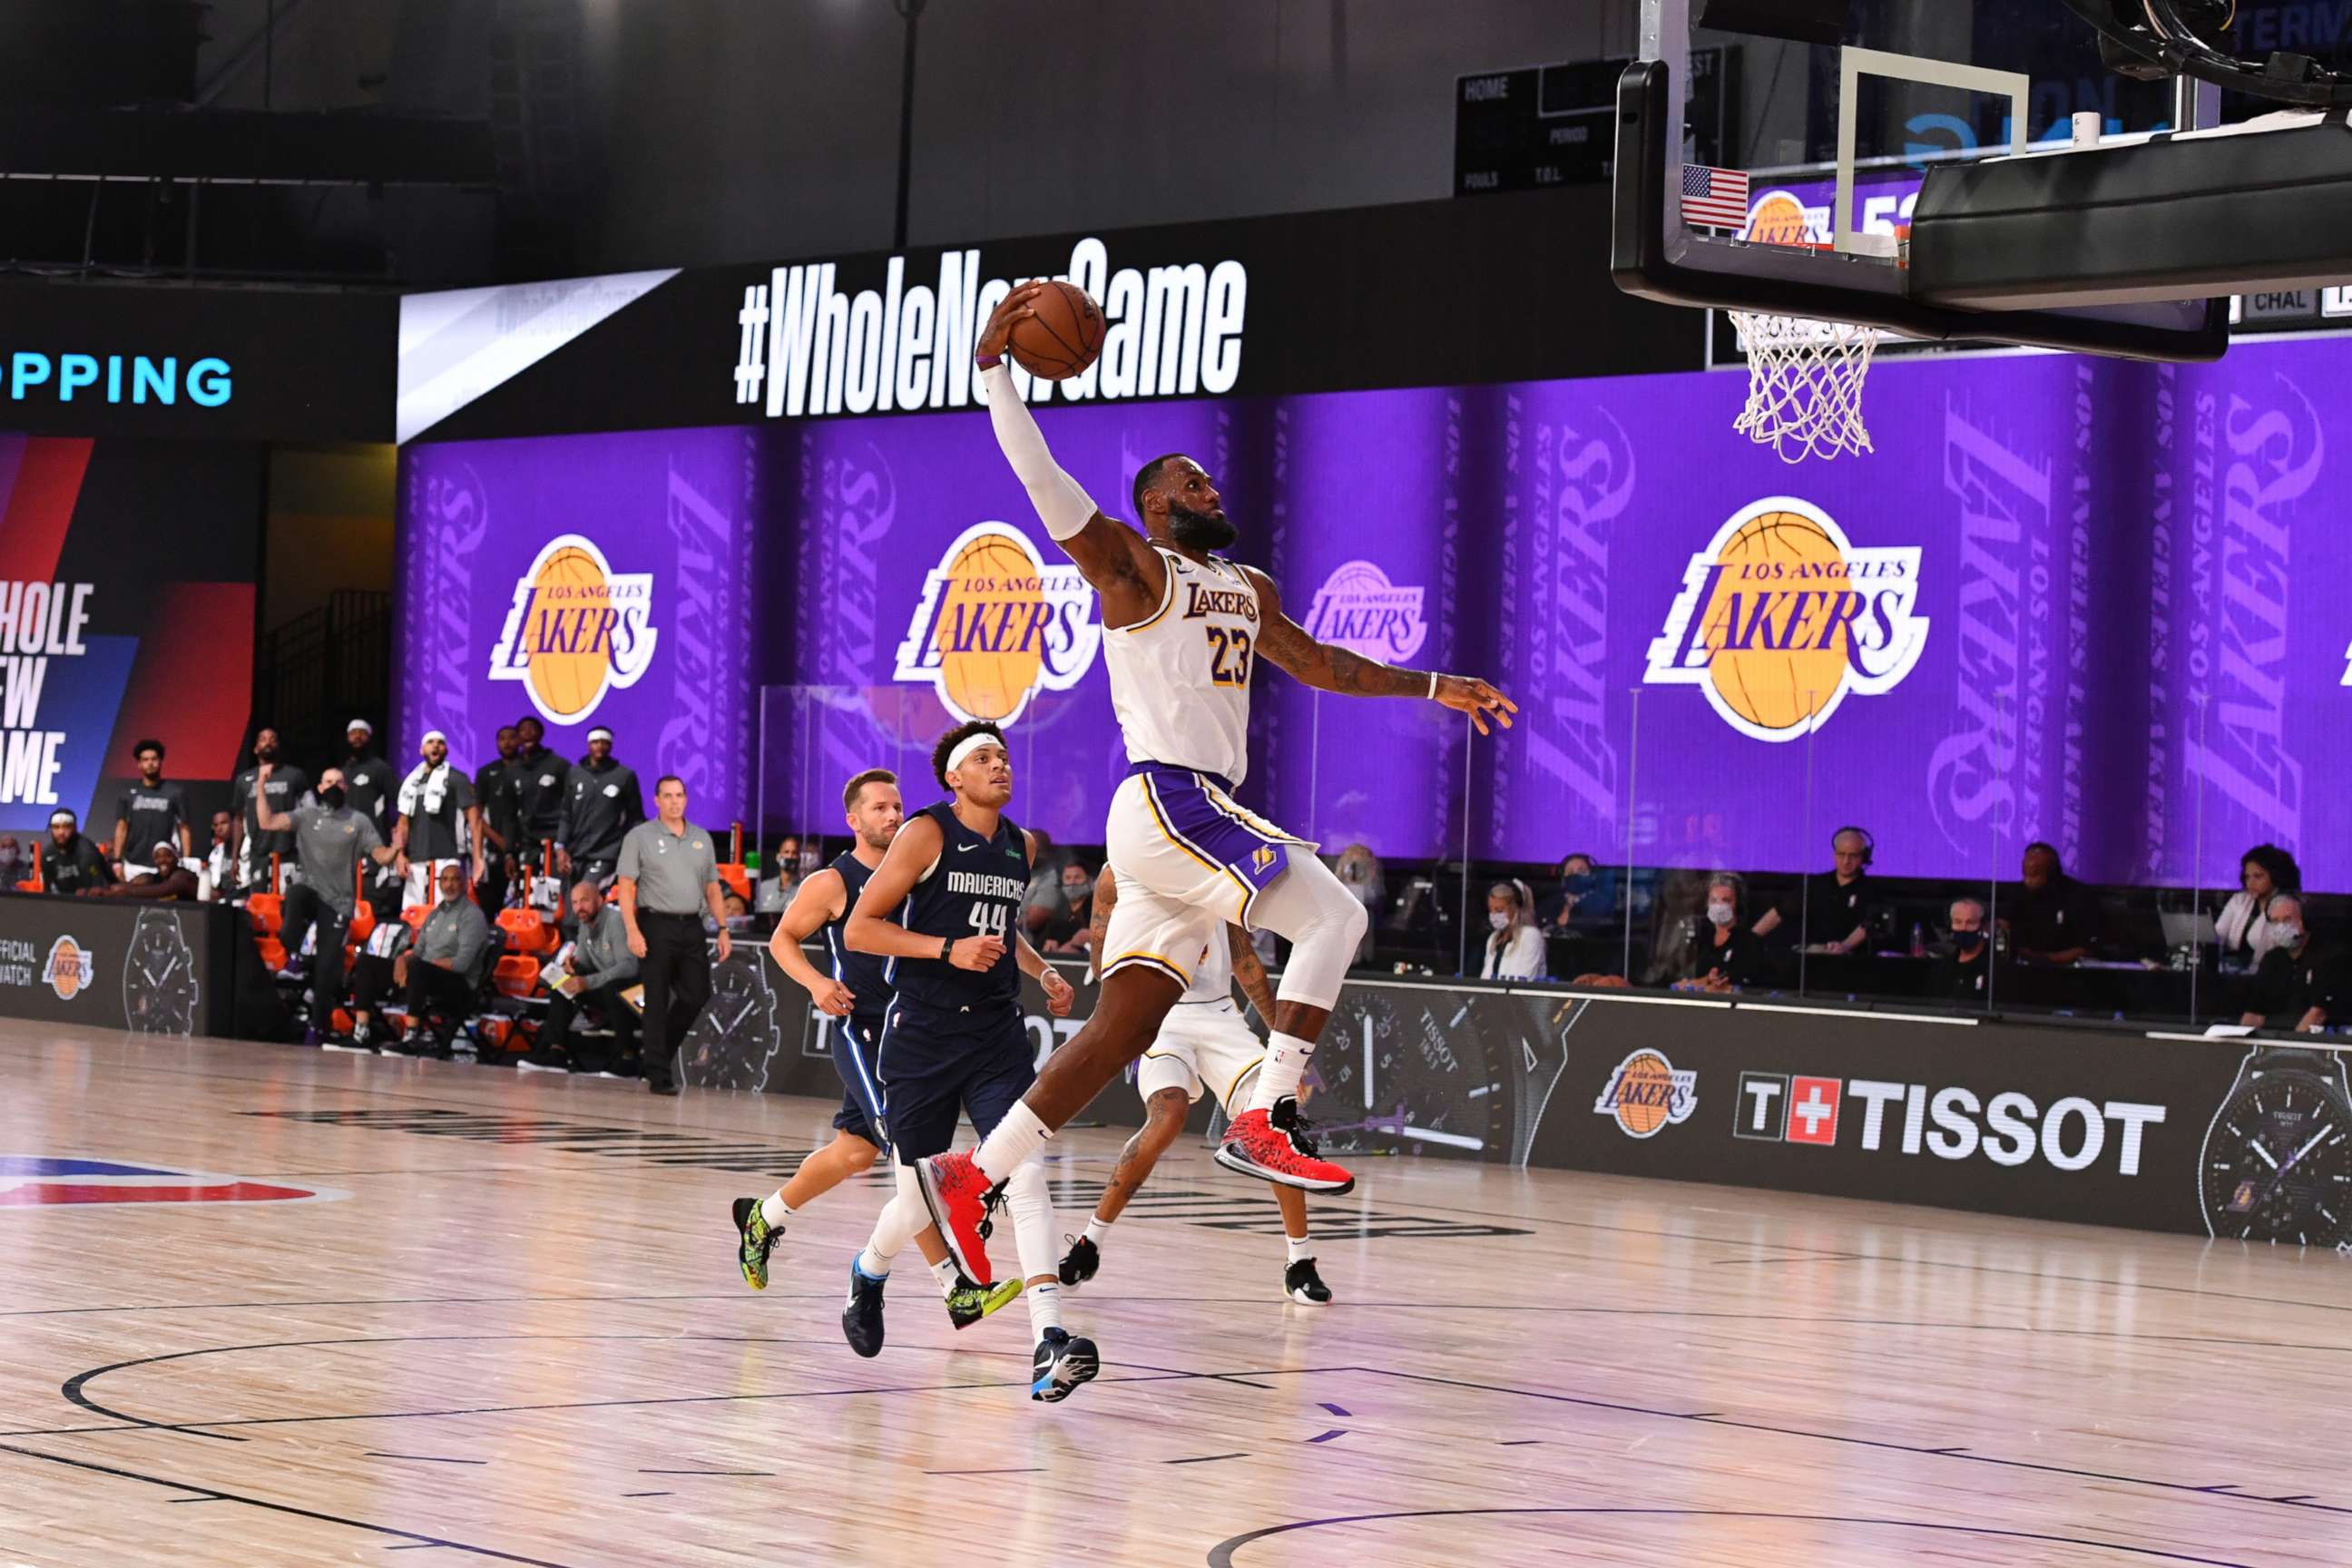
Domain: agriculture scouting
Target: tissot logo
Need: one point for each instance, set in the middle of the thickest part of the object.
(1951, 1123)
(815, 348)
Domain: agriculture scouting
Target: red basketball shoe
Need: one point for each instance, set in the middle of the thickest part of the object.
(961, 1200)
(1255, 1147)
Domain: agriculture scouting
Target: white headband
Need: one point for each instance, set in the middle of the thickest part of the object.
(60, 814)
(600, 733)
(359, 724)
(431, 736)
(969, 745)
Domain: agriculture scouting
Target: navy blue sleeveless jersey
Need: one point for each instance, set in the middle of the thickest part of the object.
(866, 974)
(975, 889)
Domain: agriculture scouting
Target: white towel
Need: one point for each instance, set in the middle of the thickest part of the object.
(427, 784)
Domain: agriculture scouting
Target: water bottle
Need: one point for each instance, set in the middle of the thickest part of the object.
(1918, 940)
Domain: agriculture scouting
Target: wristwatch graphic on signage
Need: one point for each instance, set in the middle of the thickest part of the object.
(2276, 1163)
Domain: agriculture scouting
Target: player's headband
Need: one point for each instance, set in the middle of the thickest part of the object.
(431, 736)
(969, 745)
(600, 733)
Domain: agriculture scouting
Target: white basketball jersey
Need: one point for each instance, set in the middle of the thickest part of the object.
(1180, 681)
(1213, 980)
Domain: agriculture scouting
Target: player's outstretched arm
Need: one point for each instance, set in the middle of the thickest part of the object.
(1326, 667)
(1112, 557)
(818, 900)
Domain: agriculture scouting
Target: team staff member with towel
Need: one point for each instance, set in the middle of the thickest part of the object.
(668, 879)
(438, 822)
(602, 801)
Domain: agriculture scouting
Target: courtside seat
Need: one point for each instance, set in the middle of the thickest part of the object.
(268, 912)
(737, 879)
(29, 884)
(528, 932)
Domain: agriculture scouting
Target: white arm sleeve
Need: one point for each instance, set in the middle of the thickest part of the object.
(1062, 506)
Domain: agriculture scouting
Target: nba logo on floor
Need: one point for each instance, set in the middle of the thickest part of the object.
(30, 1181)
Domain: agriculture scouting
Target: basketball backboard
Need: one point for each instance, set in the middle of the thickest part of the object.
(1959, 170)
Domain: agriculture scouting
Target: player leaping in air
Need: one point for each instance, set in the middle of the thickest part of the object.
(1183, 629)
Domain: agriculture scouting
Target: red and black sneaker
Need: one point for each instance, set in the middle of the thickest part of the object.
(1255, 1147)
(961, 1200)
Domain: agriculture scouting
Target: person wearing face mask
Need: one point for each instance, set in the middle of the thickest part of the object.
(1584, 897)
(1070, 933)
(280, 786)
(1721, 955)
(330, 839)
(14, 866)
(1965, 957)
(2294, 986)
(1514, 947)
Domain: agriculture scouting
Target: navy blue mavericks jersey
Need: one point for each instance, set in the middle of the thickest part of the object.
(866, 974)
(975, 888)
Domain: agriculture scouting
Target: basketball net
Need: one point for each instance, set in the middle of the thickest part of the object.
(1805, 385)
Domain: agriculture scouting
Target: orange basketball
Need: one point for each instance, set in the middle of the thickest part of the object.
(1773, 688)
(566, 682)
(1063, 338)
(989, 652)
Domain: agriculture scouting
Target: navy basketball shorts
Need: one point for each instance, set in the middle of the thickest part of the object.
(854, 1042)
(931, 1075)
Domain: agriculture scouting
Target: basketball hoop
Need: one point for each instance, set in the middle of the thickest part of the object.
(1805, 385)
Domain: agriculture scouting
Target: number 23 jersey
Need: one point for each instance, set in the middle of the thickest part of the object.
(974, 888)
(1180, 681)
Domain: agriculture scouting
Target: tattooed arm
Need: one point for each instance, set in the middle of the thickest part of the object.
(1251, 973)
(1329, 668)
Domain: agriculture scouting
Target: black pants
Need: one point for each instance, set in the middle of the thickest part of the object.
(602, 1003)
(371, 984)
(433, 989)
(304, 909)
(676, 974)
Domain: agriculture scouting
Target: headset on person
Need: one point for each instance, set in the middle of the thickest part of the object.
(1869, 845)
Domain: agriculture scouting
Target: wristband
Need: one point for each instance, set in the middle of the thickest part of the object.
(988, 361)
(947, 946)
(1432, 686)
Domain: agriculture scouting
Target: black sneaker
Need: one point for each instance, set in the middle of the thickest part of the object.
(1081, 1263)
(1304, 1286)
(861, 1316)
(1292, 1122)
(755, 1238)
(1061, 1364)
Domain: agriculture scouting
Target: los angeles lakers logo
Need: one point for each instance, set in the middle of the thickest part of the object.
(1780, 617)
(577, 629)
(1358, 608)
(1647, 1093)
(996, 624)
(1262, 857)
(1777, 218)
(70, 969)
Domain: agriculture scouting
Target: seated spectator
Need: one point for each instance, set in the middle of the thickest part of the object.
(1043, 905)
(14, 866)
(2295, 988)
(736, 909)
(599, 968)
(445, 969)
(2055, 918)
(1585, 896)
(170, 878)
(1515, 945)
(1359, 870)
(379, 969)
(1722, 956)
(2242, 930)
(69, 862)
(1070, 933)
(1964, 956)
(1834, 912)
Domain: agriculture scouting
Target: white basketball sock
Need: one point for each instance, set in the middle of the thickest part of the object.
(1285, 1064)
(774, 1210)
(1044, 1309)
(873, 1265)
(946, 1273)
(1011, 1142)
(1300, 1246)
(1098, 1232)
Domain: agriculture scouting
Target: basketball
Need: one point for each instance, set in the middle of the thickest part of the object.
(1772, 688)
(1063, 338)
(566, 682)
(988, 656)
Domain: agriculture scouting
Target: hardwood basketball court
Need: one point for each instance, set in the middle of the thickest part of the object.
(509, 1328)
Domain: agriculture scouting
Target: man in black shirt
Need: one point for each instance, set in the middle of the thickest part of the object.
(367, 778)
(70, 864)
(437, 819)
(1964, 958)
(1834, 913)
(536, 785)
(498, 819)
(602, 801)
(2295, 987)
(151, 811)
(286, 787)
(2055, 918)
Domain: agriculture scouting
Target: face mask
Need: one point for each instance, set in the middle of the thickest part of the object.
(1719, 913)
(1499, 918)
(2287, 935)
(332, 798)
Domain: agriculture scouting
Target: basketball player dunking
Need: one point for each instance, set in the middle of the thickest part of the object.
(1182, 629)
(944, 907)
(857, 996)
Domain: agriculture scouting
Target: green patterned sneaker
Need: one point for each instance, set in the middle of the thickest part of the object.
(968, 1304)
(757, 1238)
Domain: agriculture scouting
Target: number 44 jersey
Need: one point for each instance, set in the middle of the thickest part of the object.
(1179, 681)
(974, 888)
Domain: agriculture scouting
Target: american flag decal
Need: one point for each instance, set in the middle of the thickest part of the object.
(1715, 197)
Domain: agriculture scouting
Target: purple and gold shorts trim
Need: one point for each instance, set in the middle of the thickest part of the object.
(1197, 812)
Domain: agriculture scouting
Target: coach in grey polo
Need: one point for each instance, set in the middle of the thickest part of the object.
(667, 878)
